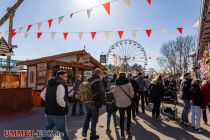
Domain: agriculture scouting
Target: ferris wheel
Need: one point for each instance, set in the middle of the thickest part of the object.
(125, 54)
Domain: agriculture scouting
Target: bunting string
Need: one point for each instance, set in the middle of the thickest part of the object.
(120, 33)
(106, 6)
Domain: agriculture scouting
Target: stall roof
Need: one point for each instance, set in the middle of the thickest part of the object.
(54, 57)
(204, 37)
(4, 48)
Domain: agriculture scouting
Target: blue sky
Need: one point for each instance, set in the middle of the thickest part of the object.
(162, 13)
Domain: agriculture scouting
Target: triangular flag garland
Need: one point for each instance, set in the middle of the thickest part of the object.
(164, 30)
(148, 31)
(80, 35)
(26, 34)
(13, 33)
(120, 33)
(71, 15)
(149, 2)
(107, 34)
(134, 33)
(180, 29)
(107, 7)
(50, 22)
(128, 2)
(93, 34)
(89, 12)
(52, 34)
(39, 25)
(39, 34)
(29, 27)
(20, 29)
(60, 19)
(65, 35)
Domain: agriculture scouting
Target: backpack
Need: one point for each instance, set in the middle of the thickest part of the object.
(84, 93)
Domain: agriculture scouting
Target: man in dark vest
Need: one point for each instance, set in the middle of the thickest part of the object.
(56, 107)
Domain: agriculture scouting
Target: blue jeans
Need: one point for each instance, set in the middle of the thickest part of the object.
(59, 122)
(91, 114)
(196, 115)
(186, 110)
(109, 119)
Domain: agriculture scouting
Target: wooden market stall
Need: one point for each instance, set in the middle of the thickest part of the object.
(204, 40)
(39, 71)
(14, 96)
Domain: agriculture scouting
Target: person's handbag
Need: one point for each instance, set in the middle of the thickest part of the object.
(133, 104)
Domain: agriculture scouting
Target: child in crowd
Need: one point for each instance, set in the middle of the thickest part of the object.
(111, 108)
(196, 103)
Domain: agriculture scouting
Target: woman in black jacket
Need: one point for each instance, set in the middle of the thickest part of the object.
(156, 95)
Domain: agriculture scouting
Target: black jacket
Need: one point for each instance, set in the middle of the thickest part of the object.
(196, 95)
(110, 103)
(51, 105)
(106, 83)
(134, 85)
(185, 87)
(98, 91)
(156, 93)
(76, 85)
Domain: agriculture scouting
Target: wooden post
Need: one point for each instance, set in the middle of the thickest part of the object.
(10, 40)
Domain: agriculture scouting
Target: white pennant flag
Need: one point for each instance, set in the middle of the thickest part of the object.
(89, 12)
(39, 25)
(20, 29)
(164, 30)
(6, 32)
(1, 35)
(26, 34)
(197, 24)
(80, 35)
(134, 33)
(60, 19)
(128, 2)
(52, 34)
(107, 34)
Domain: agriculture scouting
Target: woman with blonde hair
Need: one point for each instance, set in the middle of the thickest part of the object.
(205, 90)
(156, 94)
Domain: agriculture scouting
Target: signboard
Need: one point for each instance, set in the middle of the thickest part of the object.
(103, 58)
(41, 73)
(85, 58)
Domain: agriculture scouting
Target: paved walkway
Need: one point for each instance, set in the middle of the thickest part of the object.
(144, 128)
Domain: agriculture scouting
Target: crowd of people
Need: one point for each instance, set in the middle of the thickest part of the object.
(123, 93)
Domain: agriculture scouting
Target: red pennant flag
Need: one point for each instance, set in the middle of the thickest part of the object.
(50, 22)
(13, 33)
(149, 2)
(93, 34)
(29, 27)
(120, 33)
(107, 7)
(148, 31)
(39, 34)
(180, 29)
(71, 15)
(65, 35)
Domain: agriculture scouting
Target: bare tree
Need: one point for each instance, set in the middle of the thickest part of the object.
(176, 54)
